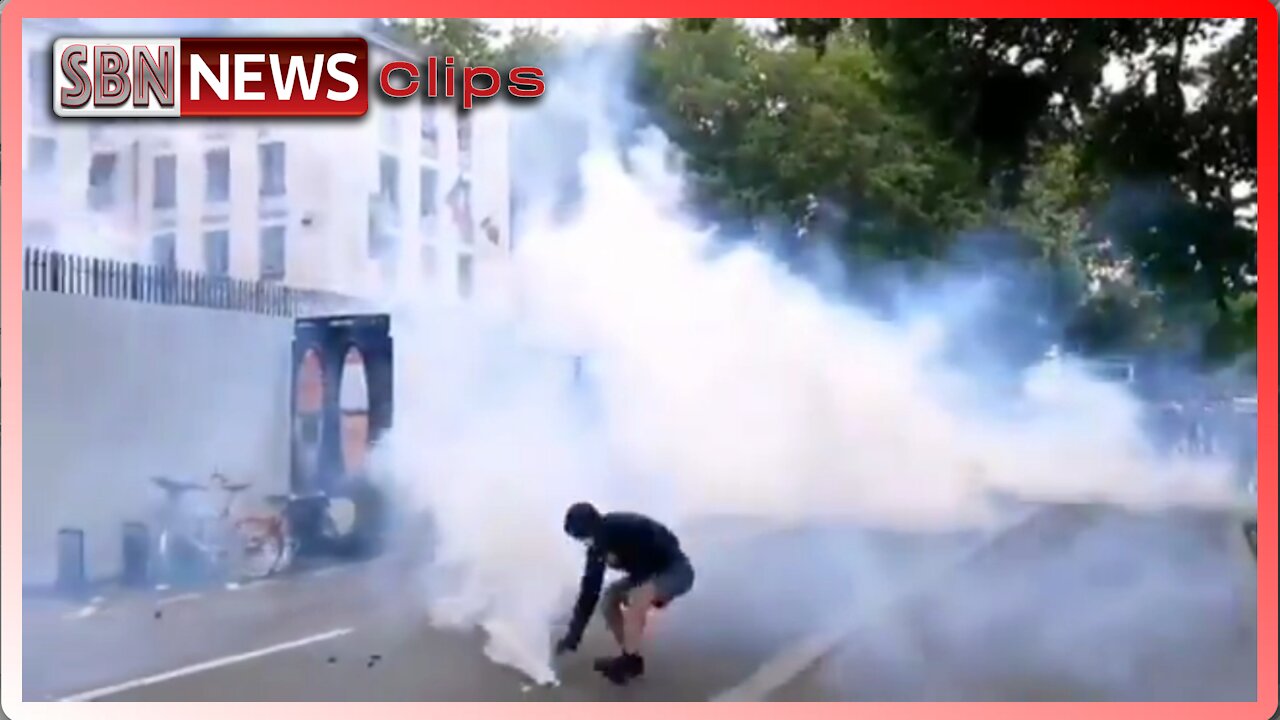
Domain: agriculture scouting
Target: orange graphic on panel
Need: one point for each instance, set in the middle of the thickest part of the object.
(308, 407)
(353, 399)
(310, 398)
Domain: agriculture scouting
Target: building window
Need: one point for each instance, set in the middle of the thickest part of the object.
(164, 250)
(39, 84)
(379, 241)
(427, 192)
(165, 192)
(39, 66)
(271, 169)
(389, 126)
(217, 252)
(430, 262)
(389, 180)
(430, 131)
(43, 152)
(217, 175)
(271, 253)
(459, 201)
(382, 237)
(102, 180)
(464, 141)
(464, 133)
(40, 73)
(465, 263)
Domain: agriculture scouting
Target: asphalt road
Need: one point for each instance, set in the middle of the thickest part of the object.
(1080, 606)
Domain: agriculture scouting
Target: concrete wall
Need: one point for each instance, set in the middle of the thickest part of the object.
(115, 392)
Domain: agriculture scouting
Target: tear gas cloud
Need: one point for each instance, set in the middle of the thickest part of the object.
(717, 383)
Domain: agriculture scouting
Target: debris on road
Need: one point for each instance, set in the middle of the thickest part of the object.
(85, 612)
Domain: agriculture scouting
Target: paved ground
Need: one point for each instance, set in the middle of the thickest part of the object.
(1114, 608)
(1080, 607)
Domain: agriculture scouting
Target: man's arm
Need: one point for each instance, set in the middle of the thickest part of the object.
(588, 595)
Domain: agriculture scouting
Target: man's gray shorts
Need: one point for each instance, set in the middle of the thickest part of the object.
(670, 584)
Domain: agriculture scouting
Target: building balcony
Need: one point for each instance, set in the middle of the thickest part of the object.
(273, 205)
(215, 211)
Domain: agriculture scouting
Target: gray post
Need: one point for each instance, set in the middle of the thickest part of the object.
(136, 560)
(72, 578)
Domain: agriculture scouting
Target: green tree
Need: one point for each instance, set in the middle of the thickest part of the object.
(1181, 173)
(772, 132)
(1191, 169)
(470, 41)
(529, 46)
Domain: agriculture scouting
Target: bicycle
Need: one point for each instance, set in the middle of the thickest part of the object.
(249, 547)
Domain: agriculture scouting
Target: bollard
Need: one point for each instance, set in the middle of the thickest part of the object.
(136, 555)
(71, 571)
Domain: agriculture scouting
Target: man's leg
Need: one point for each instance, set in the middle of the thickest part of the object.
(611, 608)
(658, 592)
(611, 604)
(634, 615)
(630, 664)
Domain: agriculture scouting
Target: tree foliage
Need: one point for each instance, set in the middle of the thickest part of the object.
(1124, 154)
(470, 41)
(773, 133)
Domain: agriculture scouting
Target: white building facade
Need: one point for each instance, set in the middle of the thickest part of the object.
(416, 190)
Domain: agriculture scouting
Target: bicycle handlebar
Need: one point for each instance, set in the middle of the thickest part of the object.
(172, 486)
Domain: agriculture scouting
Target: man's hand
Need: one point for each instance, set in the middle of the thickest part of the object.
(566, 644)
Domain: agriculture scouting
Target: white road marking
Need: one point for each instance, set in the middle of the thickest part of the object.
(794, 659)
(174, 599)
(204, 666)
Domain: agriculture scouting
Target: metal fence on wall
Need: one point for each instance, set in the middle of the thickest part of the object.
(58, 272)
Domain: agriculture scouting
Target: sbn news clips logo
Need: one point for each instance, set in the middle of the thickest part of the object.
(256, 77)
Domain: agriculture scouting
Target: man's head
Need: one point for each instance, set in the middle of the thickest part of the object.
(581, 521)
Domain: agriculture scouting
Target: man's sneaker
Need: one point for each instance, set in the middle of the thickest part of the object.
(624, 668)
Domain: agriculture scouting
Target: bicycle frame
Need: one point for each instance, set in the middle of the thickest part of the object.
(226, 543)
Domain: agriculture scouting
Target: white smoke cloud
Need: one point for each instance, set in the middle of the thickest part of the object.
(720, 386)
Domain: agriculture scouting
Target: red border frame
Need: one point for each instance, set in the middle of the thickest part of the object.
(11, 302)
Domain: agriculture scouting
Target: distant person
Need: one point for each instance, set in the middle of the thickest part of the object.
(657, 572)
